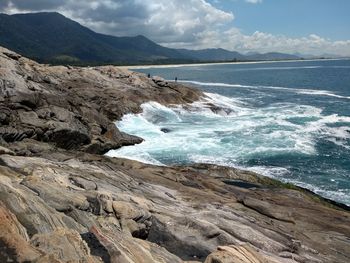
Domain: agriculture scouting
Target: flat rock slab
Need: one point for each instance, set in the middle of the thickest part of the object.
(143, 212)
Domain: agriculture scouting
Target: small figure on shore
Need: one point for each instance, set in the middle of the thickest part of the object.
(175, 79)
(148, 75)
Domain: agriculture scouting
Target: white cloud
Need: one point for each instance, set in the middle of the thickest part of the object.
(234, 39)
(161, 20)
(265, 42)
(190, 24)
(254, 1)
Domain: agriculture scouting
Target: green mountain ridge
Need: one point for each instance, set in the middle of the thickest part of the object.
(50, 37)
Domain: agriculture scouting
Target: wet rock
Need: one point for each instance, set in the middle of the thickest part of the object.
(220, 110)
(165, 130)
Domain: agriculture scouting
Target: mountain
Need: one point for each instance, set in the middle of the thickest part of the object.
(271, 56)
(219, 54)
(321, 56)
(53, 38)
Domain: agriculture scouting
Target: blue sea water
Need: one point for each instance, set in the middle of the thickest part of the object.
(287, 120)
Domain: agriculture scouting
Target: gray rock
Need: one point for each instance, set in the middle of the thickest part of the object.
(74, 108)
(4, 150)
(61, 202)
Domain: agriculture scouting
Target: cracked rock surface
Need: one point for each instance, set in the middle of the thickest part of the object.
(62, 201)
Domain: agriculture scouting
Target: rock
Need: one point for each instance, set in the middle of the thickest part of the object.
(127, 211)
(28, 147)
(4, 150)
(220, 110)
(131, 204)
(134, 219)
(13, 55)
(75, 108)
(14, 246)
(53, 193)
(139, 251)
(268, 209)
(61, 201)
(10, 134)
(108, 206)
(83, 183)
(63, 245)
(165, 130)
(237, 254)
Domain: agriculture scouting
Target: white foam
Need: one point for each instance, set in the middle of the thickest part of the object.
(152, 110)
(253, 126)
(217, 84)
(342, 195)
(223, 100)
(269, 171)
(199, 135)
(203, 107)
(295, 90)
(322, 93)
(278, 68)
(229, 85)
(142, 156)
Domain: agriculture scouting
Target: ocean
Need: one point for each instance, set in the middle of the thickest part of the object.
(286, 120)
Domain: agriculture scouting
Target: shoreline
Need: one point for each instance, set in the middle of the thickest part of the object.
(227, 63)
(335, 203)
(62, 200)
(134, 155)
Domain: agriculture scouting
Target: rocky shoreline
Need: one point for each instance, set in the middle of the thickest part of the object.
(61, 200)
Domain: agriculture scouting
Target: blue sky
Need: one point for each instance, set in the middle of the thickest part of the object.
(313, 27)
(294, 18)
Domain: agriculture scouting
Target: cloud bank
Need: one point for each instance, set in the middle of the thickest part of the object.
(191, 24)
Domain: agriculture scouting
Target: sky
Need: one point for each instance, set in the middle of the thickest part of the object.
(314, 27)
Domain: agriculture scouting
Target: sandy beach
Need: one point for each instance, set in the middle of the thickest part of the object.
(225, 63)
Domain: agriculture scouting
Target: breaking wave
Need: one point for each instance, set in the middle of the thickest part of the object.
(295, 90)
